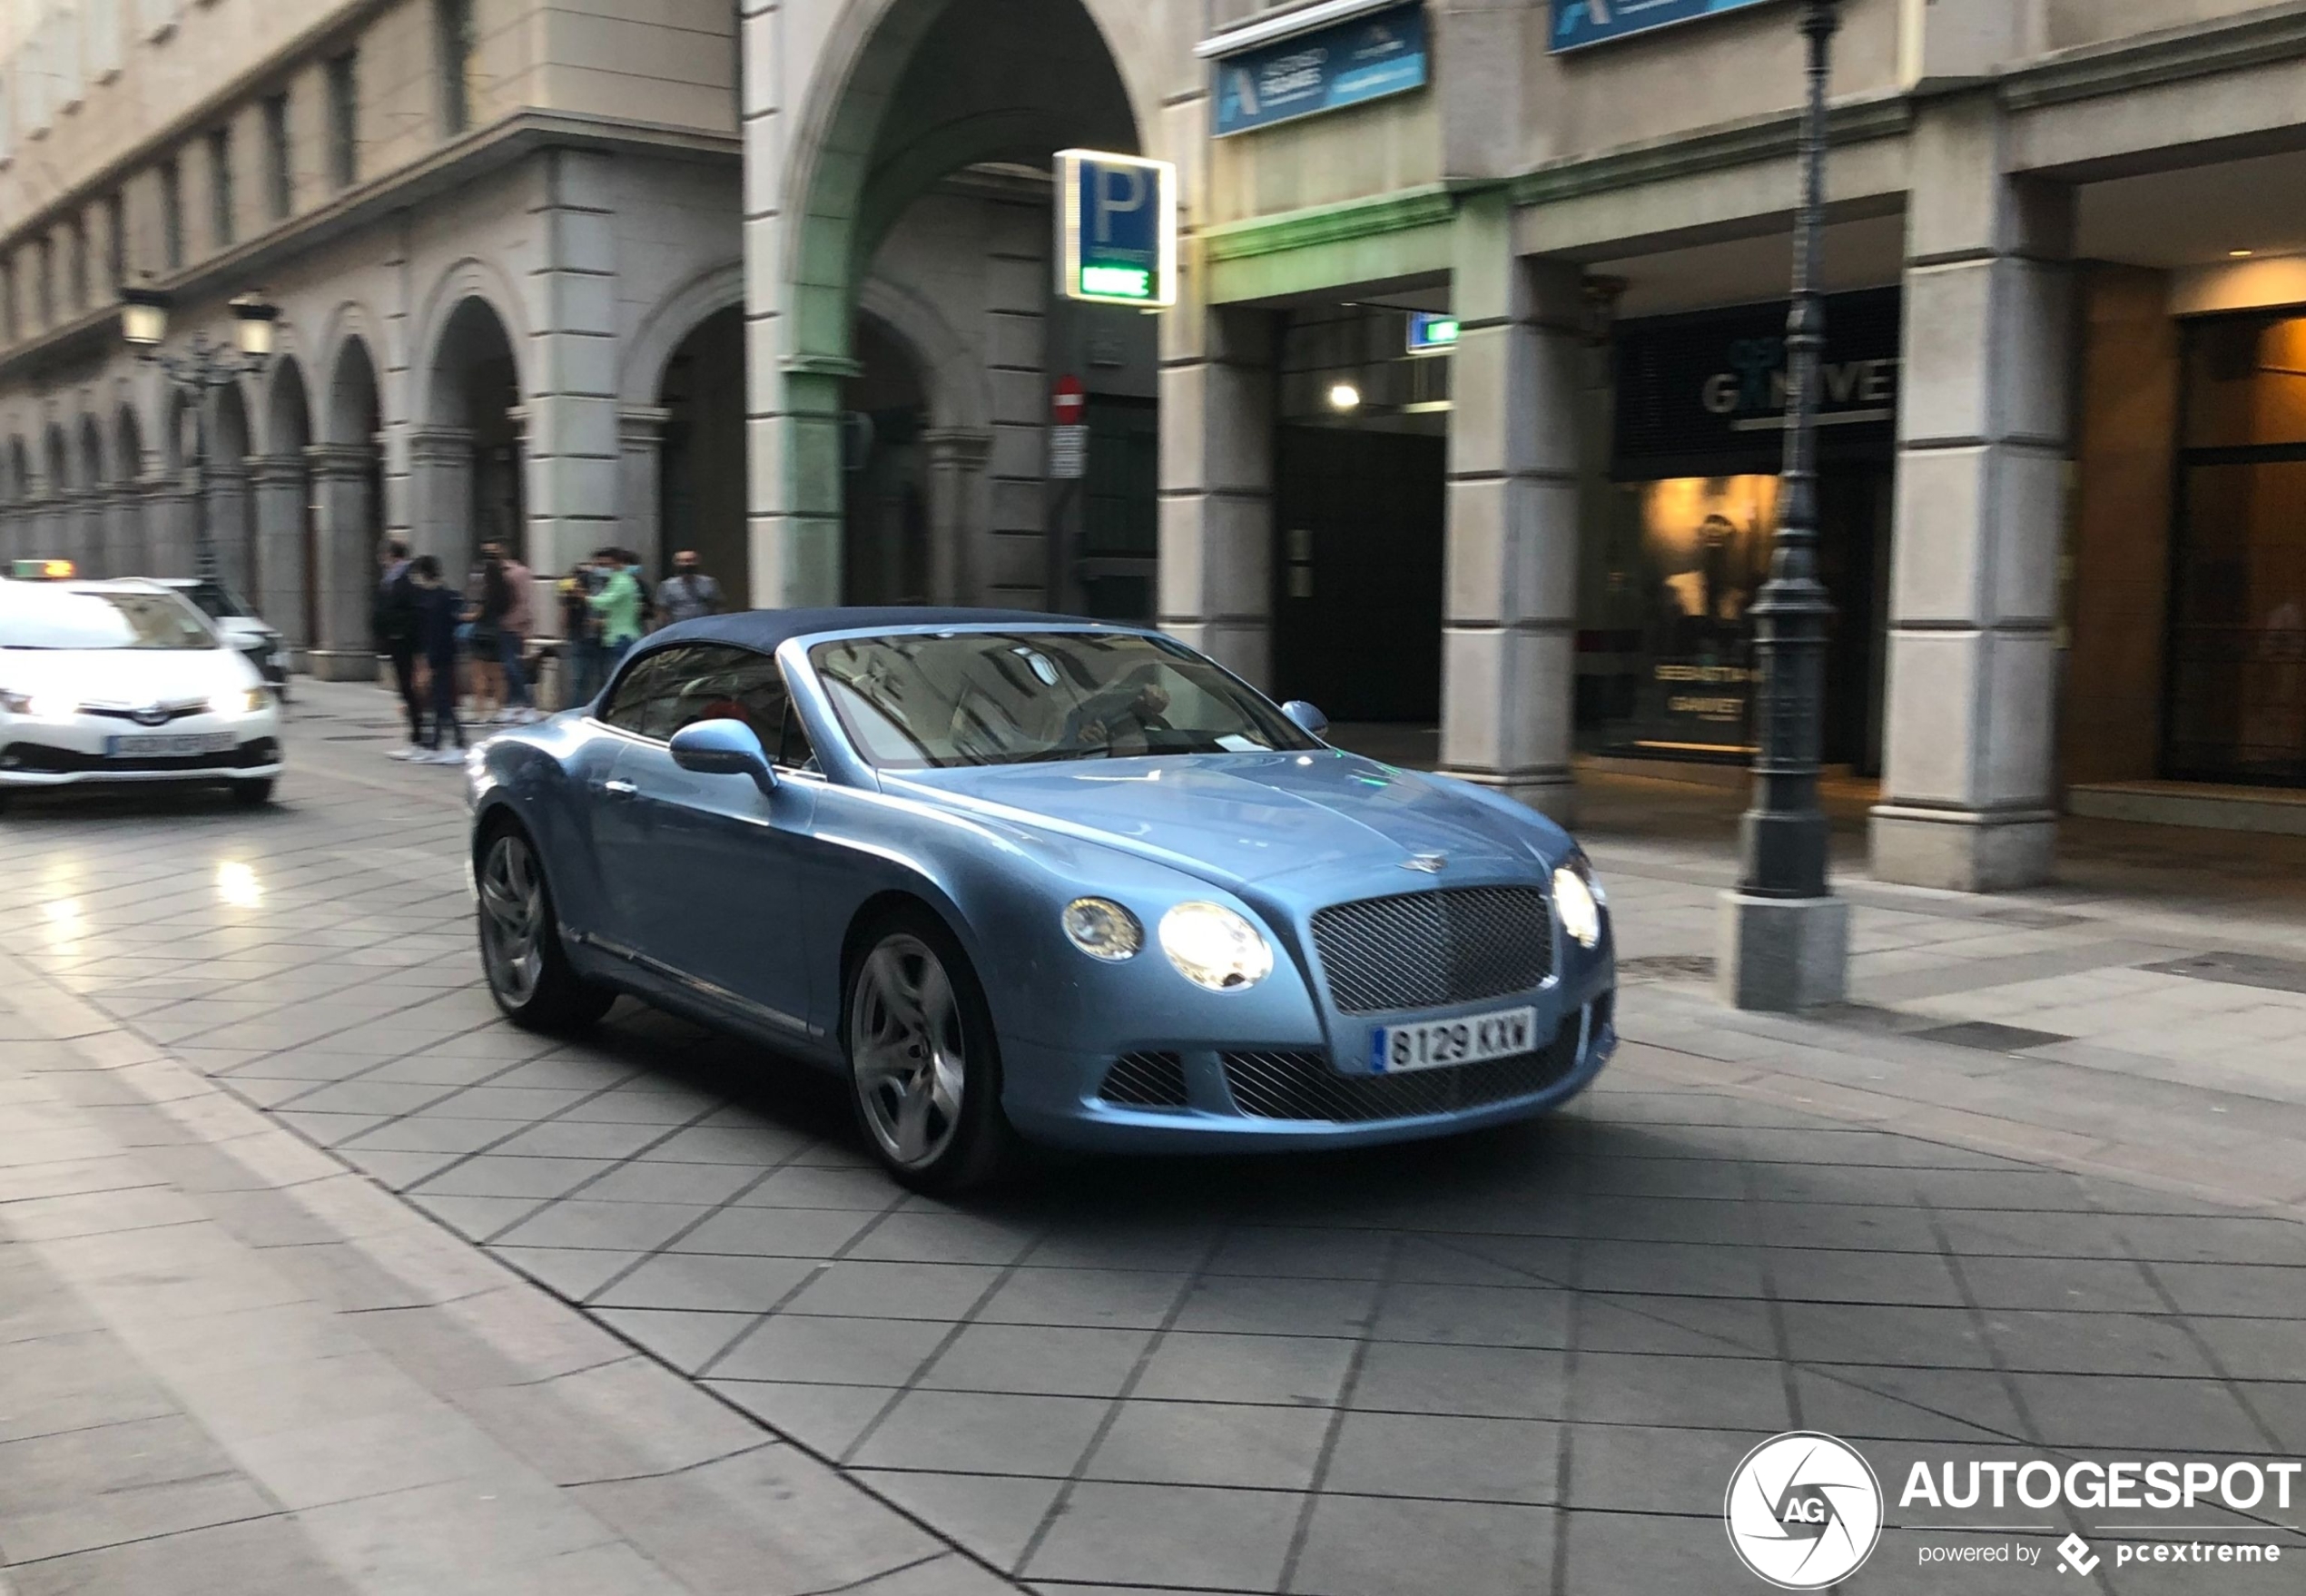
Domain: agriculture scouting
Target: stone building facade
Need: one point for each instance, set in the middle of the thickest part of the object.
(777, 280)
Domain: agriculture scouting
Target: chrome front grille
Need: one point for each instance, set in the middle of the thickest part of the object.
(1429, 950)
(1303, 1085)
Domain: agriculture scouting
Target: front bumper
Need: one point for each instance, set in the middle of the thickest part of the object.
(1240, 1097)
(35, 753)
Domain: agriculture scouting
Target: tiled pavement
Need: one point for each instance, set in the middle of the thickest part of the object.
(1522, 1362)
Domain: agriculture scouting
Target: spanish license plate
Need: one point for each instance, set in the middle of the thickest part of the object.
(167, 745)
(1430, 1044)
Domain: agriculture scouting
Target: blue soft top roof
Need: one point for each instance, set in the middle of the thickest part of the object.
(765, 629)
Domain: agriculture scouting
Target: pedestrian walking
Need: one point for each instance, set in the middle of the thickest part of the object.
(688, 593)
(490, 600)
(439, 614)
(618, 605)
(581, 627)
(512, 638)
(393, 617)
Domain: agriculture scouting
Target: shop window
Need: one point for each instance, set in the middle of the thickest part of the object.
(116, 242)
(2237, 657)
(454, 24)
(77, 263)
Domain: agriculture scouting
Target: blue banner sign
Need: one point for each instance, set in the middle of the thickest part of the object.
(1116, 228)
(1366, 58)
(1579, 23)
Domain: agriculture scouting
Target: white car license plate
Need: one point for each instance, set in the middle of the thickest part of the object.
(1430, 1044)
(166, 746)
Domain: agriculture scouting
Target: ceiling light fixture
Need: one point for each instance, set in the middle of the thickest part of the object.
(2239, 254)
(1344, 396)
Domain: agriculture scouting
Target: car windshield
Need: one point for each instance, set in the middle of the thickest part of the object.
(90, 617)
(920, 701)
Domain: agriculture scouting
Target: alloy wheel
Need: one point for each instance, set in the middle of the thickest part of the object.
(909, 1050)
(512, 918)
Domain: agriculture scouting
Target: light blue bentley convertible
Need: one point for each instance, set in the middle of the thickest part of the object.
(1014, 875)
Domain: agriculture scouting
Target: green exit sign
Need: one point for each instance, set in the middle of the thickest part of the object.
(1430, 333)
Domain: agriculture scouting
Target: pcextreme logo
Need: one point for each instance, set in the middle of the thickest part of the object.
(1803, 1511)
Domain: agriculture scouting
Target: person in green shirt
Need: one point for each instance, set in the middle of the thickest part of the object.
(618, 606)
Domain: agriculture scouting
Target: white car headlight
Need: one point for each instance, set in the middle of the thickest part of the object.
(39, 707)
(239, 701)
(1578, 901)
(1102, 928)
(1213, 947)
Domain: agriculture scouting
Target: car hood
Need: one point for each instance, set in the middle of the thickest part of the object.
(126, 675)
(1252, 817)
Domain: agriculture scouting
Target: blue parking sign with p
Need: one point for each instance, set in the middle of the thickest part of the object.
(1116, 227)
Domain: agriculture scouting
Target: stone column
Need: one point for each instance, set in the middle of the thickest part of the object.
(1509, 634)
(957, 456)
(640, 453)
(440, 498)
(168, 528)
(1967, 802)
(278, 486)
(228, 525)
(345, 515)
(1216, 485)
(123, 531)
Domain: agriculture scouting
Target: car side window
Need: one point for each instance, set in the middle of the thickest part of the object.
(794, 751)
(632, 700)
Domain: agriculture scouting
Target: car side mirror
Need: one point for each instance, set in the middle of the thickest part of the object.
(723, 748)
(1305, 717)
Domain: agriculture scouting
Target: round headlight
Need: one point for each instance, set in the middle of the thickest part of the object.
(1580, 910)
(1102, 928)
(1213, 947)
(239, 701)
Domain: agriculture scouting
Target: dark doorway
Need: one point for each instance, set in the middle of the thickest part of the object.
(1357, 571)
(1120, 529)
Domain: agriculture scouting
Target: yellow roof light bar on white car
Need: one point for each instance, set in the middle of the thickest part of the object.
(43, 570)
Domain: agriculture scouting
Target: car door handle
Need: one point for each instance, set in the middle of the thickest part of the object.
(620, 789)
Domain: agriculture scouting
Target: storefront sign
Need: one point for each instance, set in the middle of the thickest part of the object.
(1366, 58)
(1579, 23)
(1707, 394)
(1431, 333)
(1116, 228)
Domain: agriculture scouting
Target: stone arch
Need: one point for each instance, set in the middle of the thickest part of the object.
(231, 528)
(667, 326)
(959, 395)
(467, 283)
(886, 118)
(128, 524)
(468, 455)
(354, 413)
(128, 442)
(347, 495)
(56, 462)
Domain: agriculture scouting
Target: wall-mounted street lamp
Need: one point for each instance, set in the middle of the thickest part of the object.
(200, 371)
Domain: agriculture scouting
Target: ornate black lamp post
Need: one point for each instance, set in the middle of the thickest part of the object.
(196, 373)
(1785, 938)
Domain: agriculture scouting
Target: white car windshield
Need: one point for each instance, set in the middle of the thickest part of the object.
(100, 618)
(912, 702)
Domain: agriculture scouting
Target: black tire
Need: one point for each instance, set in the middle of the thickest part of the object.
(254, 793)
(528, 969)
(953, 1151)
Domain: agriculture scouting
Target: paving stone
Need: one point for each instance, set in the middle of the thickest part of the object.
(1355, 1546)
(644, 1181)
(1211, 1444)
(1191, 1366)
(572, 1273)
(706, 1280)
(1482, 1316)
(2099, 1344)
(836, 1351)
(1131, 1298)
(1446, 1458)
(793, 1233)
(1279, 1306)
(266, 1553)
(898, 1291)
(620, 1227)
(2117, 1413)
(688, 1340)
(1003, 1434)
(994, 1515)
(1174, 1534)
(497, 1175)
(1710, 1393)
(1054, 1361)
(826, 1419)
(1492, 1381)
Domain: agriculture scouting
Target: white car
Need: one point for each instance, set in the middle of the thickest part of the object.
(127, 682)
